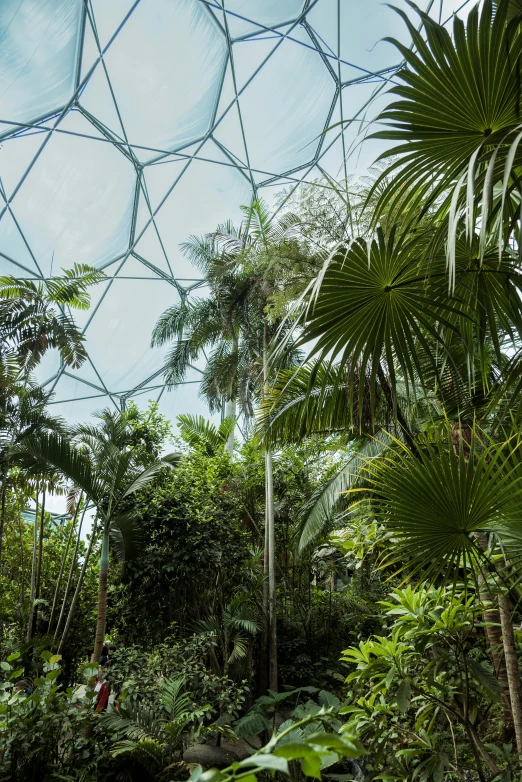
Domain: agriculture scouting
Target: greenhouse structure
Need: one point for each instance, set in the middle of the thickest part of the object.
(260, 390)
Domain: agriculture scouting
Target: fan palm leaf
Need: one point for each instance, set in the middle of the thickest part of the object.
(439, 502)
(374, 307)
(457, 108)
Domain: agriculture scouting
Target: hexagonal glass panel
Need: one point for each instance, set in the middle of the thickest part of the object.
(75, 205)
(39, 55)
(165, 69)
(286, 105)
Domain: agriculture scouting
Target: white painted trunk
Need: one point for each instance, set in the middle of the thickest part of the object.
(230, 412)
(272, 615)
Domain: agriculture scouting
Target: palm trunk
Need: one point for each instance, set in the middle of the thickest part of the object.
(76, 596)
(39, 565)
(69, 577)
(2, 527)
(270, 527)
(230, 412)
(102, 598)
(512, 669)
(263, 663)
(63, 562)
(492, 621)
(492, 629)
(272, 613)
(33, 572)
(2, 509)
(230, 404)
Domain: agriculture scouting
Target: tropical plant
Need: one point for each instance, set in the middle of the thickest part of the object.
(424, 675)
(313, 735)
(199, 433)
(33, 316)
(108, 471)
(232, 631)
(457, 121)
(154, 737)
(35, 715)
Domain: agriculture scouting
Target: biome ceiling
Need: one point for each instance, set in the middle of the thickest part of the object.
(127, 126)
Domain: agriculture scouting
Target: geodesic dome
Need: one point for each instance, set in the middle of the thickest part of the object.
(127, 126)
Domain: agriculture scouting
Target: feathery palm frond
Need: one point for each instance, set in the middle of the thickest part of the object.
(198, 432)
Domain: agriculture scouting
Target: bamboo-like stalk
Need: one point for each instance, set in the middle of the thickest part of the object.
(70, 576)
(77, 591)
(64, 560)
(33, 570)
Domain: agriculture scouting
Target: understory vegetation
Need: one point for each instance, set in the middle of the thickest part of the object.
(322, 578)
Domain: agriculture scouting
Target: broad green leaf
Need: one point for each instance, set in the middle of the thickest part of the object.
(271, 762)
(403, 696)
(328, 699)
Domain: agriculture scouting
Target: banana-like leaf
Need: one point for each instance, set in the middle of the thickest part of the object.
(319, 517)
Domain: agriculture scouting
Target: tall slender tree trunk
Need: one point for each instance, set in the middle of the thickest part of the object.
(272, 613)
(74, 559)
(495, 646)
(512, 669)
(77, 591)
(231, 404)
(64, 561)
(102, 598)
(3, 497)
(270, 527)
(230, 412)
(33, 571)
(263, 666)
(39, 565)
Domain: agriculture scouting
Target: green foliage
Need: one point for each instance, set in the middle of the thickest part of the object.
(35, 715)
(457, 120)
(33, 318)
(438, 504)
(419, 694)
(312, 735)
(193, 547)
(137, 672)
(199, 433)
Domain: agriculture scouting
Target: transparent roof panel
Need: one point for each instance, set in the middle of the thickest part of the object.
(39, 55)
(286, 105)
(248, 17)
(160, 79)
(142, 122)
(75, 204)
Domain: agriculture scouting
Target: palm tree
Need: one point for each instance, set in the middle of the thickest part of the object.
(109, 472)
(457, 123)
(33, 320)
(244, 270)
(231, 630)
(23, 413)
(209, 327)
(33, 316)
